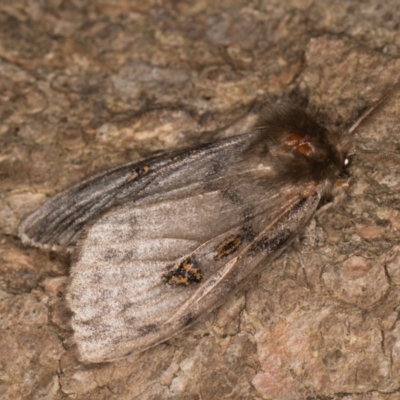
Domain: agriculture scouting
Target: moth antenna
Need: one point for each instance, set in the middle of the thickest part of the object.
(374, 109)
(379, 154)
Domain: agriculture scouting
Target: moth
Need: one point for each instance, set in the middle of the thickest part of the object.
(158, 242)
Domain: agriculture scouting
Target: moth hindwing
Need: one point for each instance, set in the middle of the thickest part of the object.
(159, 242)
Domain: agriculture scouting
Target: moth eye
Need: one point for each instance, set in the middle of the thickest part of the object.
(347, 162)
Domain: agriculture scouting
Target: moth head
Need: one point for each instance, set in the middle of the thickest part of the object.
(302, 150)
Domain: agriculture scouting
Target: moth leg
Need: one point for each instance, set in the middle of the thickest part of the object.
(339, 193)
(297, 249)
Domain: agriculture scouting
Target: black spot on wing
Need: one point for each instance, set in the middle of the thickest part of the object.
(247, 233)
(228, 246)
(127, 306)
(187, 273)
(109, 254)
(216, 168)
(143, 170)
(138, 173)
(299, 205)
(129, 321)
(146, 329)
(187, 319)
(117, 339)
(127, 256)
(231, 195)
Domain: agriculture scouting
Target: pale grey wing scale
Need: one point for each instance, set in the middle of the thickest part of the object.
(121, 298)
(58, 223)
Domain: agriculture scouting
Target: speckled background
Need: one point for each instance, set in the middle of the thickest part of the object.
(85, 85)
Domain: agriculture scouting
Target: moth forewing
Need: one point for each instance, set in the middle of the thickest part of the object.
(57, 224)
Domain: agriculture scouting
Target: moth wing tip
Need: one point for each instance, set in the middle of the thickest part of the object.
(25, 237)
(29, 241)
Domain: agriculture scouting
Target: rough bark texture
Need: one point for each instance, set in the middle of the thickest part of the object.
(89, 84)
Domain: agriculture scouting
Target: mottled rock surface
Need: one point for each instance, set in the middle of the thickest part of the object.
(85, 85)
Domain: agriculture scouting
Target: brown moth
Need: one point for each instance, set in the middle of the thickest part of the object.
(159, 242)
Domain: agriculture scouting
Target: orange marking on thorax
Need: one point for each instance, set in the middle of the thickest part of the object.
(341, 182)
(299, 143)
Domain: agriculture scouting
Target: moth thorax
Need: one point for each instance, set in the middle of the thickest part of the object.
(299, 143)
